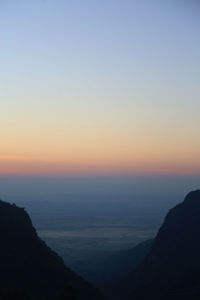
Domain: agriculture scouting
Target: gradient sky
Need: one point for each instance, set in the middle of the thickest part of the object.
(106, 86)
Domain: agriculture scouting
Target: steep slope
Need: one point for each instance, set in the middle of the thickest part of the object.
(30, 270)
(118, 265)
(108, 267)
(172, 268)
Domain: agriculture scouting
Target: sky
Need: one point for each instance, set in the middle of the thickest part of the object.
(99, 87)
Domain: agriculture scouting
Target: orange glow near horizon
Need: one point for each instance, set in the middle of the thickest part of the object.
(29, 150)
(113, 149)
(14, 165)
(138, 150)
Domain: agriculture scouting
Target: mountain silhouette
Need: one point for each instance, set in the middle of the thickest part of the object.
(105, 269)
(171, 270)
(29, 270)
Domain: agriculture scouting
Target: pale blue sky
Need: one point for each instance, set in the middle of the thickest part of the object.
(105, 68)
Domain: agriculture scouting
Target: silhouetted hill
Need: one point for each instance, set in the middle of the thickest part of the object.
(171, 271)
(119, 264)
(104, 269)
(29, 270)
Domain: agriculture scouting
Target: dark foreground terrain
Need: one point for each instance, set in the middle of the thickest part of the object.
(29, 270)
(166, 268)
(171, 269)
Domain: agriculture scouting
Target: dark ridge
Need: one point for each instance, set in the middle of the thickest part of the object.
(29, 269)
(192, 198)
(171, 270)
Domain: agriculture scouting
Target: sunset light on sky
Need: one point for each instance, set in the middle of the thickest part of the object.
(99, 87)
